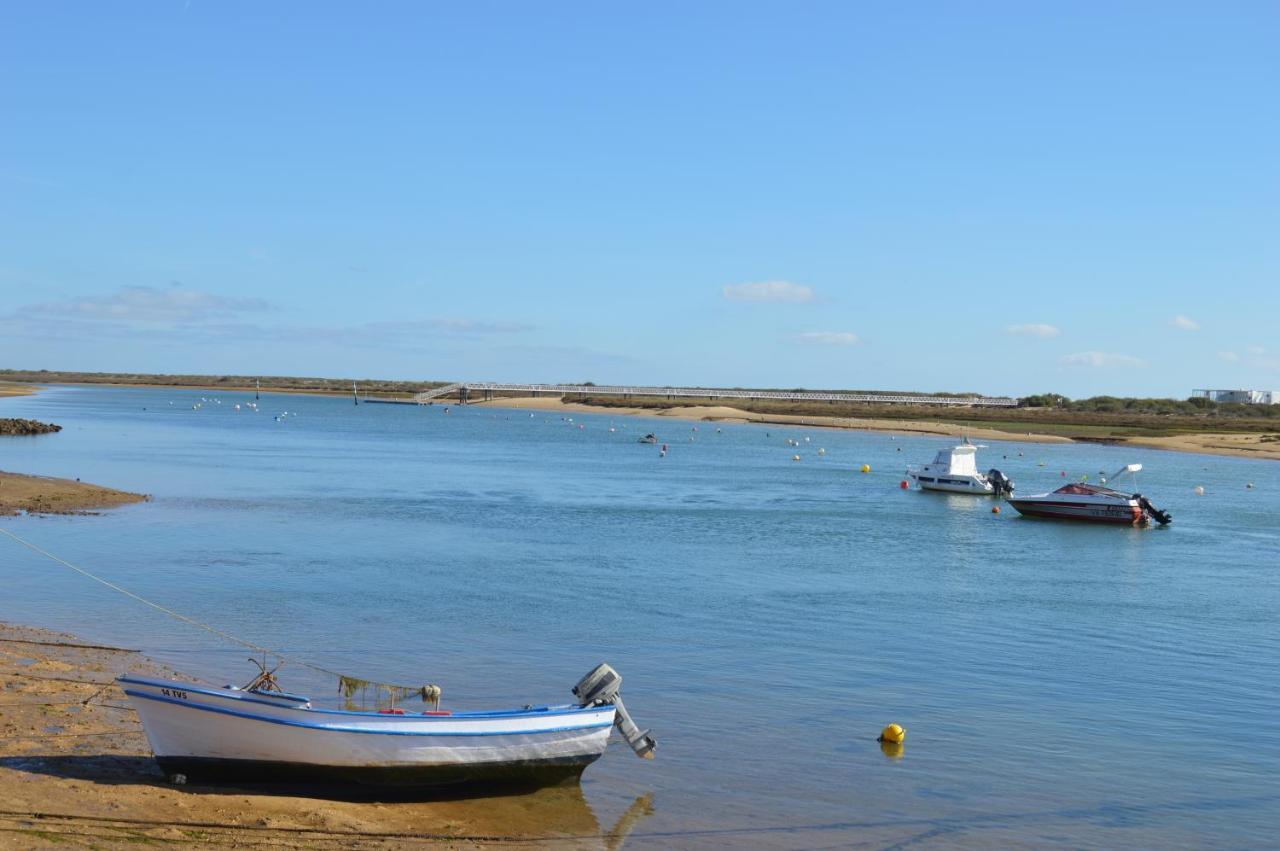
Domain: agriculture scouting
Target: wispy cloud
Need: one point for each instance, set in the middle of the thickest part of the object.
(192, 316)
(1256, 350)
(827, 338)
(1034, 329)
(148, 305)
(784, 291)
(1184, 323)
(1101, 360)
(1229, 357)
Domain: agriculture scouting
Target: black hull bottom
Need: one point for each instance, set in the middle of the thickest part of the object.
(399, 781)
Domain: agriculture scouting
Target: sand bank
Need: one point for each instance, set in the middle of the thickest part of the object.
(1265, 446)
(44, 495)
(75, 771)
(9, 389)
(722, 413)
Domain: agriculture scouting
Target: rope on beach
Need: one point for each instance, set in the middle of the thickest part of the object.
(427, 692)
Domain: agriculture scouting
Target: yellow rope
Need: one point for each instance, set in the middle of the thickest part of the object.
(193, 622)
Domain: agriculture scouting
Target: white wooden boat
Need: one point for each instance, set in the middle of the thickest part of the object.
(213, 734)
(955, 470)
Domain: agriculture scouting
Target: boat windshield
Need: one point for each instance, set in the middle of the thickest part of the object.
(1090, 490)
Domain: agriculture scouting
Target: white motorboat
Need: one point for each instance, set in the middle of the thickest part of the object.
(228, 733)
(1094, 503)
(955, 470)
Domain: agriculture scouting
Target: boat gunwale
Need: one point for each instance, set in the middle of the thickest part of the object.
(543, 711)
(322, 728)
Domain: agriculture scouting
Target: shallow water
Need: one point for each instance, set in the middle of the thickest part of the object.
(1060, 684)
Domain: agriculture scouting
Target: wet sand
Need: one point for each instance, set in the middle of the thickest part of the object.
(76, 771)
(45, 495)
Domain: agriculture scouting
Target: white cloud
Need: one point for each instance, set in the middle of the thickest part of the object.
(828, 338)
(769, 291)
(1185, 323)
(1230, 357)
(148, 304)
(1257, 350)
(1034, 329)
(1101, 360)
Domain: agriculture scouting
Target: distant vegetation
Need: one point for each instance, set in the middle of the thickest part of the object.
(1193, 406)
(225, 382)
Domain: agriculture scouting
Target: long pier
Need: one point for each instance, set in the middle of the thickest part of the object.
(485, 390)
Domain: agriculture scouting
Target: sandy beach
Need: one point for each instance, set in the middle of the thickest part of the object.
(46, 495)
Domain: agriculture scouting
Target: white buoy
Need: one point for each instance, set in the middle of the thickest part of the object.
(1199, 490)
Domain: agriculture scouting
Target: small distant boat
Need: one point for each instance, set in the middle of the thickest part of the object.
(649, 438)
(252, 734)
(955, 470)
(1093, 503)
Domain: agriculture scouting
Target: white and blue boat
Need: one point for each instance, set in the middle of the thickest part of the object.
(210, 734)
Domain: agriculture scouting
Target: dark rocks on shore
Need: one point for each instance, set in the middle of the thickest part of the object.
(26, 427)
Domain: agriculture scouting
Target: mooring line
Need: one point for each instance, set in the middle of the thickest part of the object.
(257, 648)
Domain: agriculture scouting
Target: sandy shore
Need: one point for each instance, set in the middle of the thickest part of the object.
(720, 413)
(44, 495)
(75, 771)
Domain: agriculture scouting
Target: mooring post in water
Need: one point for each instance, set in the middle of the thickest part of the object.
(355, 397)
(257, 387)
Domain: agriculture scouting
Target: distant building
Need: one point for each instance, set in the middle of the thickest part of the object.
(1247, 397)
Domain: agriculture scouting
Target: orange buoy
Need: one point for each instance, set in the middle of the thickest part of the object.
(995, 509)
(903, 484)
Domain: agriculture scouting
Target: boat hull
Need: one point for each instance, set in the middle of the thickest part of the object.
(217, 735)
(528, 774)
(1127, 515)
(955, 486)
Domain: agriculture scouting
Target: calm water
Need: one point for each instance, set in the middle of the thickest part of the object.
(1060, 684)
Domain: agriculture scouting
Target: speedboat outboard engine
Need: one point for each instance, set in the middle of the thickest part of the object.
(1000, 483)
(1164, 518)
(601, 687)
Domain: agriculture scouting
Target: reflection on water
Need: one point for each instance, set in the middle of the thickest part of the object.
(503, 555)
(560, 814)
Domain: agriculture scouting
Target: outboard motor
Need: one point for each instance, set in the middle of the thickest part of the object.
(1000, 484)
(601, 687)
(1164, 518)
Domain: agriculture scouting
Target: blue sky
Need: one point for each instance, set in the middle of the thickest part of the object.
(1002, 197)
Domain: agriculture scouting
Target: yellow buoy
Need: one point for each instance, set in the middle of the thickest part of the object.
(894, 734)
(866, 468)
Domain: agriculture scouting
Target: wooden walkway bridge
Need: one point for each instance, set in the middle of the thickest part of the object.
(485, 390)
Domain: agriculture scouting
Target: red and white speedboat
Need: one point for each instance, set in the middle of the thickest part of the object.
(1094, 503)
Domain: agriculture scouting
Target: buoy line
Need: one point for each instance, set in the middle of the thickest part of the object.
(192, 621)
